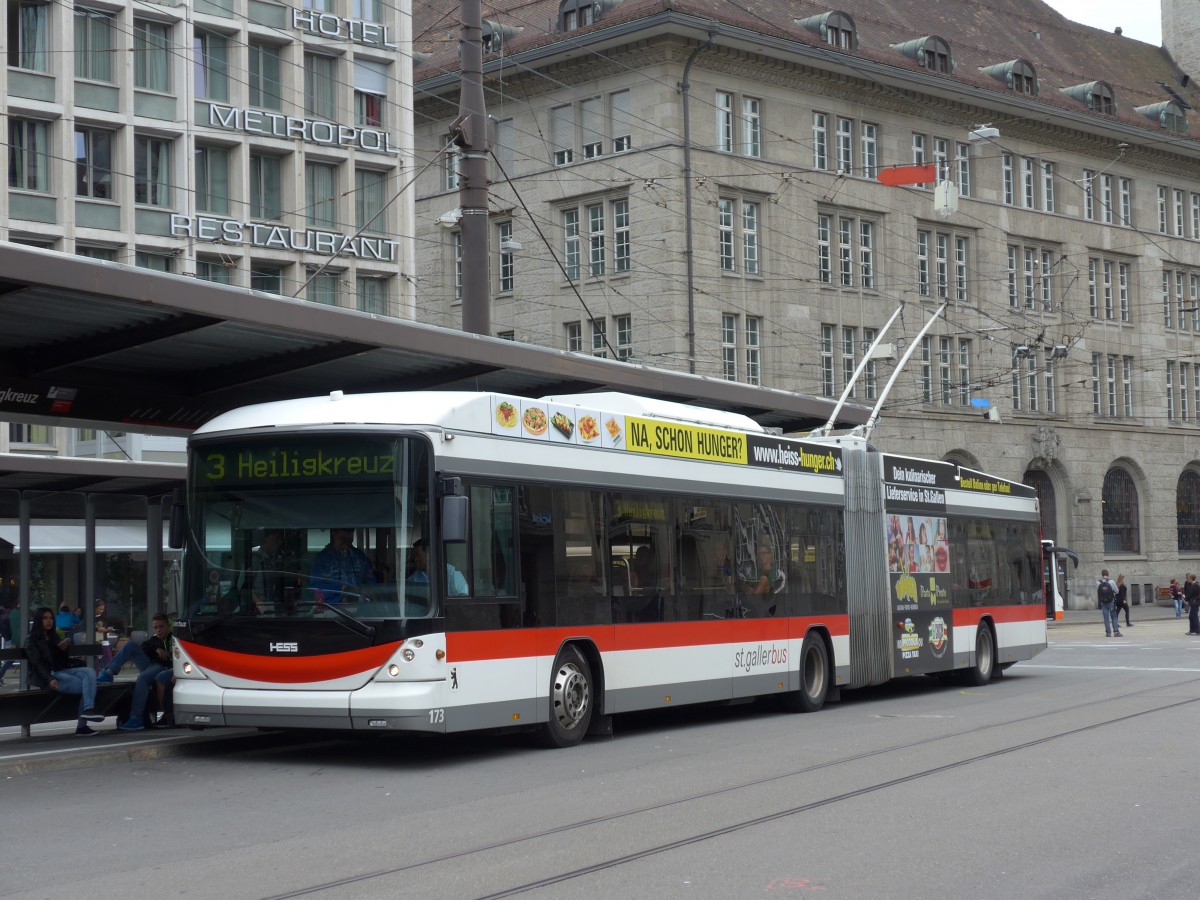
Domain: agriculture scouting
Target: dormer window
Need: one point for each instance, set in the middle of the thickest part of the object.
(573, 14)
(1017, 74)
(931, 52)
(496, 36)
(1168, 114)
(835, 28)
(1098, 95)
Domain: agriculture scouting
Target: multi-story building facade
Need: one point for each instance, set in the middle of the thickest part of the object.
(241, 141)
(245, 142)
(695, 184)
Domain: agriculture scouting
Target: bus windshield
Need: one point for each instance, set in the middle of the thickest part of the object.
(306, 525)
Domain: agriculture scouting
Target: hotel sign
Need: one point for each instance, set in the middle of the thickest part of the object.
(327, 25)
(313, 131)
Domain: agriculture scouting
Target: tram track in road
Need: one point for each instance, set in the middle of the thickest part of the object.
(752, 822)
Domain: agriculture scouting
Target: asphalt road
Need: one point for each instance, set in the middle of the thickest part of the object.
(1066, 778)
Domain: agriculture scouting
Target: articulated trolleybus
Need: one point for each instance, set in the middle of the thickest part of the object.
(443, 562)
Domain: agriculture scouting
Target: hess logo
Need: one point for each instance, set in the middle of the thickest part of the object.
(284, 647)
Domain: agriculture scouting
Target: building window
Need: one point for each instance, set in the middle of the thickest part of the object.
(29, 35)
(599, 337)
(918, 150)
(451, 167)
(371, 295)
(320, 86)
(729, 357)
(868, 145)
(211, 54)
(158, 262)
(1181, 299)
(845, 146)
(562, 133)
(1089, 196)
(624, 337)
(577, 14)
(212, 180)
(370, 91)
(591, 115)
(1187, 511)
(622, 121)
(1047, 170)
(1031, 277)
(1125, 188)
(820, 141)
(870, 374)
(93, 163)
(266, 187)
(322, 287)
(207, 270)
(152, 56)
(93, 45)
(603, 255)
(320, 185)
(1120, 516)
(504, 233)
(151, 171)
(753, 350)
(962, 159)
(265, 277)
(1028, 192)
(827, 382)
(29, 155)
(1162, 209)
(29, 434)
(849, 357)
(574, 336)
(855, 250)
(266, 84)
(738, 231)
(942, 260)
(744, 131)
(370, 199)
(367, 10)
(108, 254)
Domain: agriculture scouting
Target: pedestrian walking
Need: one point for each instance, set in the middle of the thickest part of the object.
(1123, 600)
(1177, 596)
(1106, 598)
(1191, 593)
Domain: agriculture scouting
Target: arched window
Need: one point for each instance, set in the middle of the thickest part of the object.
(1040, 482)
(1168, 114)
(930, 52)
(1187, 511)
(1098, 95)
(1017, 74)
(574, 14)
(1121, 531)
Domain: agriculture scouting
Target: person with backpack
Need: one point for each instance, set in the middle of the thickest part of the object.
(1123, 600)
(1106, 597)
(1191, 593)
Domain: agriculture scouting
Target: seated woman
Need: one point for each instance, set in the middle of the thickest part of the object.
(50, 667)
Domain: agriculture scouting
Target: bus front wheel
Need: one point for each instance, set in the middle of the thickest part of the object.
(570, 700)
(814, 677)
(985, 658)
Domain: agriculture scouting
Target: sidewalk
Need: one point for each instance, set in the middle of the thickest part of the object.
(1136, 614)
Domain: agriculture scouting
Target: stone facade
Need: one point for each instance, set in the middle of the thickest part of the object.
(1054, 277)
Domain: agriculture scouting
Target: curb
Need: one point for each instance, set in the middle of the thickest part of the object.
(49, 758)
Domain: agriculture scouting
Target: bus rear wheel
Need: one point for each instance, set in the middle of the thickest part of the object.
(570, 700)
(814, 677)
(985, 658)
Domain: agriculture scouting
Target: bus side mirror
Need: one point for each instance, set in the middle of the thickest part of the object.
(178, 522)
(455, 512)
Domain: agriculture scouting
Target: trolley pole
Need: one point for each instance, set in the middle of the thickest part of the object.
(470, 133)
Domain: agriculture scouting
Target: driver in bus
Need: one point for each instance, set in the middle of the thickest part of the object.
(339, 566)
(764, 578)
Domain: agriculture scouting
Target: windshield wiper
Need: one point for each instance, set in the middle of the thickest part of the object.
(354, 624)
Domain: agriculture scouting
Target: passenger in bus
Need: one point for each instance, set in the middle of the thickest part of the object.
(266, 578)
(456, 582)
(644, 576)
(764, 578)
(339, 566)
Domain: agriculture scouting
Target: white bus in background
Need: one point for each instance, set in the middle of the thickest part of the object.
(587, 555)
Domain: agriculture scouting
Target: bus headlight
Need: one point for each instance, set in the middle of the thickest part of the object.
(408, 654)
(187, 668)
(393, 670)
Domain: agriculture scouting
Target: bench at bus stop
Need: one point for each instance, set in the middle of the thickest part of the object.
(38, 705)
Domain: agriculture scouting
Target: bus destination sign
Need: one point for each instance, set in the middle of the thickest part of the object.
(293, 464)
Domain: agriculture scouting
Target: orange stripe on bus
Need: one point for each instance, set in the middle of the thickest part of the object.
(289, 669)
(468, 646)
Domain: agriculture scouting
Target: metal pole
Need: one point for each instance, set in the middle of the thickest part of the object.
(887, 388)
(24, 572)
(824, 430)
(684, 88)
(470, 131)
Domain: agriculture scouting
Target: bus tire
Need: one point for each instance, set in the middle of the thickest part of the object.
(571, 701)
(814, 677)
(985, 658)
